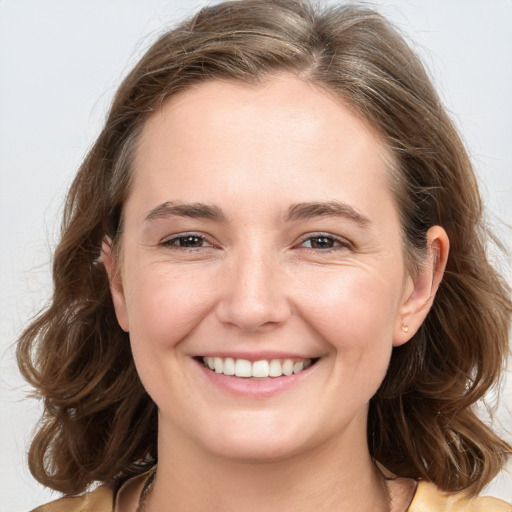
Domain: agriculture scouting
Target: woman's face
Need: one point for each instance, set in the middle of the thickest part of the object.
(261, 237)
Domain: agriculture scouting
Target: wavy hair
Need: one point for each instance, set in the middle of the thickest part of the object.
(99, 424)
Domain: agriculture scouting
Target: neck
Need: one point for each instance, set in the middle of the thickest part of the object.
(336, 476)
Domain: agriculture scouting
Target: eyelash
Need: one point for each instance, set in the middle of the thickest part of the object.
(174, 241)
(337, 242)
(341, 243)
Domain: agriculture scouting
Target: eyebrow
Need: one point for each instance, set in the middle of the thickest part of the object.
(192, 210)
(295, 212)
(326, 209)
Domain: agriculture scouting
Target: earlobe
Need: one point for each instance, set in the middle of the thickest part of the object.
(422, 288)
(111, 265)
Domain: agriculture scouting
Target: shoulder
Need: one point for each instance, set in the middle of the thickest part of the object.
(99, 500)
(428, 498)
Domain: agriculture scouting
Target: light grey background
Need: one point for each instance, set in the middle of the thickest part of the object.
(60, 62)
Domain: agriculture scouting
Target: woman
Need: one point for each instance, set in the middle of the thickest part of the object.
(271, 281)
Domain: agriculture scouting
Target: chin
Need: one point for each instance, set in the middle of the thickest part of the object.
(255, 453)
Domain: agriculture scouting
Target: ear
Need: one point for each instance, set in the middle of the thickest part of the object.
(421, 289)
(112, 267)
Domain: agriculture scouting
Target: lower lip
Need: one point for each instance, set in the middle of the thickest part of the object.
(254, 388)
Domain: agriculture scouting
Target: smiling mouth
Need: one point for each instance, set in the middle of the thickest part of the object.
(262, 369)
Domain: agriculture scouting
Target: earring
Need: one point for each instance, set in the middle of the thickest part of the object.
(404, 327)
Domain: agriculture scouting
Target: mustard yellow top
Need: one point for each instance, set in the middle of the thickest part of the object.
(427, 498)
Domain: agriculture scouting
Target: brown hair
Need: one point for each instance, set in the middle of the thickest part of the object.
(99, 423)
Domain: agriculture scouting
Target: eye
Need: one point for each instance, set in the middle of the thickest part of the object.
(187, 241)
(324, 242)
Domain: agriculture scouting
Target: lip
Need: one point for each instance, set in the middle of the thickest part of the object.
(257, 356)
(250, 387)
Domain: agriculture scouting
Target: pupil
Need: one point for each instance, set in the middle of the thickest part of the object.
(190, 241)
(321, 242)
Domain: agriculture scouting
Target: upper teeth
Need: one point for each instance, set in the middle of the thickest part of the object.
(259, 369)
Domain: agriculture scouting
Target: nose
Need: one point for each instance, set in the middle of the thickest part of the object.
(253, 293)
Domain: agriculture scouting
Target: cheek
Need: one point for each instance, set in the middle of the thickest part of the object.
(352, 308)
(164, 305)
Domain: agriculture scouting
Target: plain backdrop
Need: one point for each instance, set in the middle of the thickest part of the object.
(60, 62)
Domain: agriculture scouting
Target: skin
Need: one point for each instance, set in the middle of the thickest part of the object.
(257, 280)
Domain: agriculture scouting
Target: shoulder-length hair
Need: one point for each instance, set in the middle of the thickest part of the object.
(99, 424)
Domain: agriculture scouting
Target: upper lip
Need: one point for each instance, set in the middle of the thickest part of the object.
(255, 356)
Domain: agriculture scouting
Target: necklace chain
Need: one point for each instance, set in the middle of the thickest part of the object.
(148, 484)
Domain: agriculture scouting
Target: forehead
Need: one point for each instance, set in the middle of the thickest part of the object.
(284, 98)
(282, 133)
